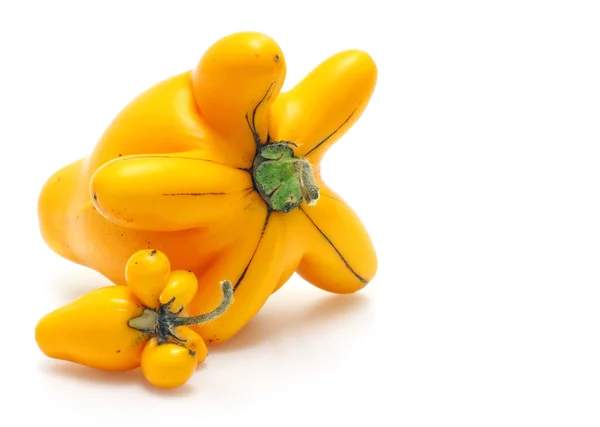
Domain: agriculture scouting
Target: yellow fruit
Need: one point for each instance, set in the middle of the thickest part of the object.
(181, 288)
(167, 365)
(220, 171)
(193, 341)
(93, 330)
(147, 273)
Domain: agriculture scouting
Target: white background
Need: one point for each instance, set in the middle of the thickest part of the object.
(476, 169)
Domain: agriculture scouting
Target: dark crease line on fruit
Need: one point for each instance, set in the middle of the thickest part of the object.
(256, 109)
(252, 125)
(330, 135)
(332, 198)
(249, 191)
(151, 156)
(335, 249)
(245, 192)
(239, 282)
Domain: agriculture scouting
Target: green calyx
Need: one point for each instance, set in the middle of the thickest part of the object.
(282, 179)
(162, 322)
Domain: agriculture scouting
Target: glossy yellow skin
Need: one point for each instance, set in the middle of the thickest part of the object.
(182, 286)
(194, 342)
(172, 172)
(167, 365)
(94, 330)
(146, 273)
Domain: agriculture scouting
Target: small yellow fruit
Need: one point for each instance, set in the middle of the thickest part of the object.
(93, 330)
(193, 341)
(167, 365)
(147, 273)
(182, 286)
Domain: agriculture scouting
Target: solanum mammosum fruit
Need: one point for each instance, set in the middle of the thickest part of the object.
(117, 328)
(221, 172)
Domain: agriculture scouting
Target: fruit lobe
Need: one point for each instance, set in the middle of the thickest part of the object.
(93, 331)
(167, 365)
(147, 273)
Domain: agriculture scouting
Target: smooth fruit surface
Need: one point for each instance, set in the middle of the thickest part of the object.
(220, 171)
(167, 365)
(147, 273)
(93, 330)
(182, 286)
